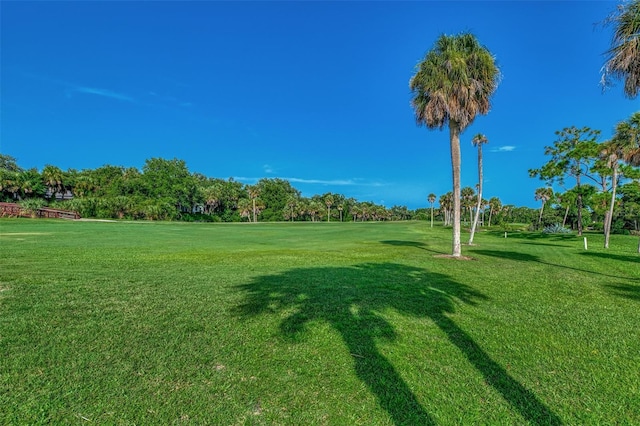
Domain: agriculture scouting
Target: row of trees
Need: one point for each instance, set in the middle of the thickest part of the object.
(167, 190)
(596, 170)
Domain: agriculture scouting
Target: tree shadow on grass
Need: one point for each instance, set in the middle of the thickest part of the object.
(626, 290)
(352, 300)
(622, 257)
(406, 243)
(525, 257)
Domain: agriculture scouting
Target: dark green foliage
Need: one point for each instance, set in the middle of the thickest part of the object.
(274, 194)
(556, 229)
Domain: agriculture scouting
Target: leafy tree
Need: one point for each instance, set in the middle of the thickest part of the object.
(169, 180)
(30, 184)
(452, 85)
(477, 141)
(623, 58)
(9, 163)
(274, 194)
(572, 155)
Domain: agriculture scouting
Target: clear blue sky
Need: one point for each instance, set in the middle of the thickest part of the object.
(312, 92)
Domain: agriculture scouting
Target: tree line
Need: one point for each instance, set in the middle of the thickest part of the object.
(167, 190)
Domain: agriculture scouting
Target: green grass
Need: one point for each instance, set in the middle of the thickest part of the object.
(354, 324)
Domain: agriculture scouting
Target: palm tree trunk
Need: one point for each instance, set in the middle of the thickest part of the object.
(432, 215)
(609, 219)
(254, 210)
(540, 216)
(579, 206)
(566, 213)
(475, 219)
(454, 140)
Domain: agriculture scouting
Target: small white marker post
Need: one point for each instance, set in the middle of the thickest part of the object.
(585, 243)
(505, 234)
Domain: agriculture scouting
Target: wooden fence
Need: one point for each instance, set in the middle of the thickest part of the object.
(15, 210)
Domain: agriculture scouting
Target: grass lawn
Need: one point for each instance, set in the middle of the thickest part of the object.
(323, 324)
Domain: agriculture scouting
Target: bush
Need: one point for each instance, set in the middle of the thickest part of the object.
(556, 229)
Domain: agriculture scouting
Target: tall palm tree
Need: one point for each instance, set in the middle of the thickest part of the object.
(432, 199)
(477, 141)
(452, 85)
(625, 145)
(623, 58)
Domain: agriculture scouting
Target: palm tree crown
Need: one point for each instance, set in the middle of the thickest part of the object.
(623, 59)
(454, 82)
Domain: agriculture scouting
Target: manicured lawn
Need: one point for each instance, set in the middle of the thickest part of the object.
(300, 324)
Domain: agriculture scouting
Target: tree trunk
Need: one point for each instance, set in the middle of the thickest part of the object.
(540, 216)
(454, 140)
(490, 214)
(475, 219)
(608, 220)
(254, 210)
(566, 213)
(432, 215)
(579, 206)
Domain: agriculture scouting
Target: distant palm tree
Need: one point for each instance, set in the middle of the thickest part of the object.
(446, 206)
(245, 208)
(566, 200)
(477, 141)
(52, 177)
(254, 192)
(623, 58)
(432, 199)
(453, 84)
(328, 201)
(467, 195)
(494, 206)
(543, 195)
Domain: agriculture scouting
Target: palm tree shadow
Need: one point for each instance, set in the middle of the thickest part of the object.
(631, 292)
(525, 257)
(406, 243)
(351, 300)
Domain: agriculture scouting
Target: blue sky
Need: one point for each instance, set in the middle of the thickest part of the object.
(312, 92)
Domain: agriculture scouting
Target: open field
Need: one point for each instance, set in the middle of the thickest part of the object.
(337, 324)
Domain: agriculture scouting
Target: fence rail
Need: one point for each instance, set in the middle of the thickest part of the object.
(15, 210)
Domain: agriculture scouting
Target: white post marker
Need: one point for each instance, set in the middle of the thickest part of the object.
(585, 243)
(505, 234)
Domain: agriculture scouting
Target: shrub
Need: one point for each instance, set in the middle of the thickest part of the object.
(556, 229)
